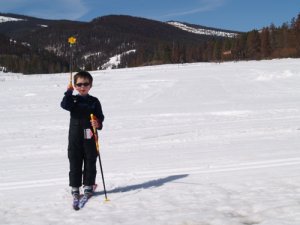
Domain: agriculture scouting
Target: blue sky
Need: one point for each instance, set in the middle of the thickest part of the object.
(239, 15)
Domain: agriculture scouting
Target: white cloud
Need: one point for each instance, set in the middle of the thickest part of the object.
(200, 6)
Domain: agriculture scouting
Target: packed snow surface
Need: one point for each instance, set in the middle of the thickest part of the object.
(192, 144)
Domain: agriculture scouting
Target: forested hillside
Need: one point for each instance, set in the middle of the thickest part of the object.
(31, 45)
(20, 57)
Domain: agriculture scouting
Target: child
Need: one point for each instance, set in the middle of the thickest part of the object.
(82, 148)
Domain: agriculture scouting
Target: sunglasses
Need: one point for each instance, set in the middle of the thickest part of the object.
(82, 84)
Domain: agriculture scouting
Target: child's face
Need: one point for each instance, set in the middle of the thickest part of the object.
(83, 86)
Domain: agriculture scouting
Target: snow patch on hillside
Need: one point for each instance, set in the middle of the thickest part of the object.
(4, 19)
(91, 54)
(202, 30)
(115, 61)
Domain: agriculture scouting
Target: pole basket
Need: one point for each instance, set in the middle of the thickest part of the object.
(72, 40)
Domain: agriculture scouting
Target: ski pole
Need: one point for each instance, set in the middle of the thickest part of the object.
(98, 152)
(71, 41)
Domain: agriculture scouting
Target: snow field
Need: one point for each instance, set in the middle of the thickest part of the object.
(204, 143)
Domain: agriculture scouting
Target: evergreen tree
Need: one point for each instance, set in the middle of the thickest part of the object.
(265, 43)
(253, 45)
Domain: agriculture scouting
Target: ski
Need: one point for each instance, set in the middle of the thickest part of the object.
(84, 199)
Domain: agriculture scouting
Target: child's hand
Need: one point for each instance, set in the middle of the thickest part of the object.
(70, 87)
(96, 124)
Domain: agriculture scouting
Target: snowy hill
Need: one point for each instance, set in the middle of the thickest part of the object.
(202, 143)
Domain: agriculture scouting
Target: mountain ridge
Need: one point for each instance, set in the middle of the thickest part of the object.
(40, 45)
(153, 41)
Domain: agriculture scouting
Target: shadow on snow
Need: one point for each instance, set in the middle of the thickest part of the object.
(145, 185)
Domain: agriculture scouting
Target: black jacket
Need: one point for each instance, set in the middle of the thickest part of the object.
(81, 107)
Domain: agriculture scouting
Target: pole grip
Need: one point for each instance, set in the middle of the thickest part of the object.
(95, 134)
(93, 118)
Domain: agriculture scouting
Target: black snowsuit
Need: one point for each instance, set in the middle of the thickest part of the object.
(82, 147)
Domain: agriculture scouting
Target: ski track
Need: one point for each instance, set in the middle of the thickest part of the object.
(161, 173)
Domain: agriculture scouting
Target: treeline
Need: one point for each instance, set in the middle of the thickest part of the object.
(268, 43)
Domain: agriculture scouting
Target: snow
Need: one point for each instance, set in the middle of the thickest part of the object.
(115, 61)
(91, 54)
(26, 44)
(203, 143)
(202, 30)
(2, 69)
(4, 19)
